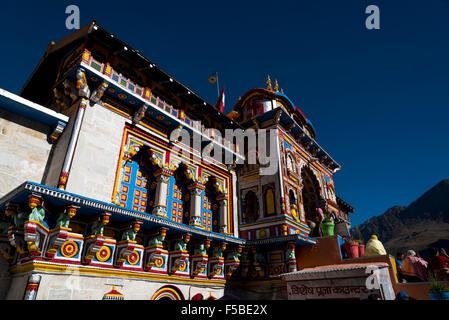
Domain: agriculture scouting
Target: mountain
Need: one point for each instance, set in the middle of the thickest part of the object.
(422, 224)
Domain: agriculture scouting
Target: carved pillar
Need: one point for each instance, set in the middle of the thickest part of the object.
(223, 199)
(196, 189)
(160, 200)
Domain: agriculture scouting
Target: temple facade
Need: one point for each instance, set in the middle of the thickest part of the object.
(99, 202)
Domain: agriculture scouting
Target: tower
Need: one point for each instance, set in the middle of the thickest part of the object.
(285, 202)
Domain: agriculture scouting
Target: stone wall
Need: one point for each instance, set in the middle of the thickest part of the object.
(94, 165)
(57, 156)
(24, 151)
(84, 287)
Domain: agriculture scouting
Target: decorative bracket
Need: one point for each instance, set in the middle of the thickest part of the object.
(54, 136)
(155, 247)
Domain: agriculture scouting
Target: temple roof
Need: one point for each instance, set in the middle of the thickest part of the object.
(45, 73)
(294, 111)
(30, 110)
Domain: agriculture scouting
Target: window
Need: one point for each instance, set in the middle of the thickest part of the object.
(270, 208)
(135, 185)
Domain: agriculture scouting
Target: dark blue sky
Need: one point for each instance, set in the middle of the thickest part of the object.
(378, 98)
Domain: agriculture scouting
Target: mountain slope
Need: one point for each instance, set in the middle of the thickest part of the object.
(424, 223)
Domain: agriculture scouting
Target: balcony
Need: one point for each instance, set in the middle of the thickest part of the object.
(111, 238)
(144, 95)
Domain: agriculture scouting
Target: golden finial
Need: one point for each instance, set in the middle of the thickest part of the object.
(269, 83)
(276, 86)
(282, 90)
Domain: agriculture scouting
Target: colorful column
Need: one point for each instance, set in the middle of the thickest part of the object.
(196, 190)
(72, 143)
(223, 199)
(32, 287)
(160, 202)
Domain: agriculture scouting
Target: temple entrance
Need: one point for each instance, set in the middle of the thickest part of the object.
(311, 200)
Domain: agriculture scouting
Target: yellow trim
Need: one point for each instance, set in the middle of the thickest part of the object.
(38, 223)
(394, 266)
(106, 272)
(75, 236)
(116, 110)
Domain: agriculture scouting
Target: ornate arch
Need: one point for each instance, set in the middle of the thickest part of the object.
(168, 292)
(311, 194)
(251, 206)
(269, 204)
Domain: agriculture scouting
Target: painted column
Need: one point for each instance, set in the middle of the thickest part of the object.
(196, 189)
(32, 287)
(160, 201)
(72, 143)
(223, 199)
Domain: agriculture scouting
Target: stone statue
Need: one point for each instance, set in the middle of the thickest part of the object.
(182, 243)
(294, 211)
(290, 252)
(244, 255)
(259, 258)
(157, 240)
(217, 252)
(233, 255)
(37, 214)
(20, 218)
(64, 218)
(97, 227)
(200, 250)
(130, 234)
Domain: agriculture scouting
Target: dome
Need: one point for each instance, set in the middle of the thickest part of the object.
(258, 101)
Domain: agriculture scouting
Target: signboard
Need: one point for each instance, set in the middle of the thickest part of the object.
(344, 283)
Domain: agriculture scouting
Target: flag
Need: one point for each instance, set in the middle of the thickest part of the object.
(221, 101)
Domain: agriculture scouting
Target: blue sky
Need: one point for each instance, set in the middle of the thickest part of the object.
(378, 98)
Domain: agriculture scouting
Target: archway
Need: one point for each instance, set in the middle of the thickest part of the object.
(168, 293)
(311, 199)
(269, 202)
